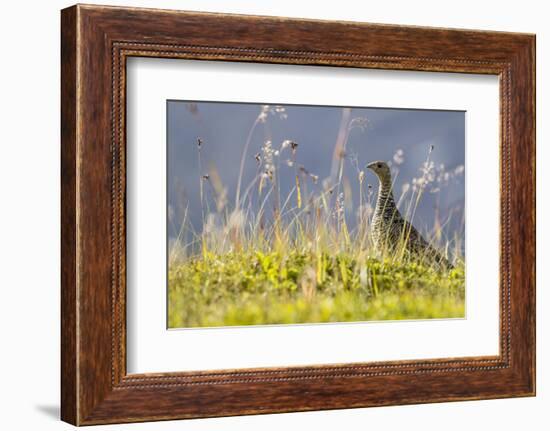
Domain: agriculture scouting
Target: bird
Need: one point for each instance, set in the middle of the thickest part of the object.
(390, 230)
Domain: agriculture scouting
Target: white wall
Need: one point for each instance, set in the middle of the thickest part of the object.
(29, 214)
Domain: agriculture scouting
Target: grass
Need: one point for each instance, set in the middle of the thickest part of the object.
(274, 288)
(273, 259)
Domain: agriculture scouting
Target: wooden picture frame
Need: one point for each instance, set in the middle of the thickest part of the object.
(95, 43)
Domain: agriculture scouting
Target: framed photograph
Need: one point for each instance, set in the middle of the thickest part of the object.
(264, 214)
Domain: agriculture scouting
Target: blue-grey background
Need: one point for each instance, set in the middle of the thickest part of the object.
(224, 127)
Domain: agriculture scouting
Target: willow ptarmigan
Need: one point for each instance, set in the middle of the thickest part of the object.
(390, 229)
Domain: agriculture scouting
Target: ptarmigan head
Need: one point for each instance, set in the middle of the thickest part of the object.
(381, 169)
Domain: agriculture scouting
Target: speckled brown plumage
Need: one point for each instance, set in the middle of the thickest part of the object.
(390, 229)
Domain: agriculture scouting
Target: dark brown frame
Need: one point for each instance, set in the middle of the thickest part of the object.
(95, 43)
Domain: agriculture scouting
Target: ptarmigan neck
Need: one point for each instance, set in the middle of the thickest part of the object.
(385, 194)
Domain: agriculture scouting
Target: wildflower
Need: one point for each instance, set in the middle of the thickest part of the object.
(359, 122)
(428, 171)
(199, 142)
(418, 184)
(339, 209)
(435, 176)
(268, 152)
(340, 204)
(315, 178)
(281, 111)
(398, 157)
(264, 111)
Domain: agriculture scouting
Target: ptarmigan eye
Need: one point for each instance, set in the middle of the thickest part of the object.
(379, 165)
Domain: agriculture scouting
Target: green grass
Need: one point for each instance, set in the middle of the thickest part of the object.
(253, 288)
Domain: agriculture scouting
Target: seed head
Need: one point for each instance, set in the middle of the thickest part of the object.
(398, 157)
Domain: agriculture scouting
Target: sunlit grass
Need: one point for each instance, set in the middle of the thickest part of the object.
(256, 288)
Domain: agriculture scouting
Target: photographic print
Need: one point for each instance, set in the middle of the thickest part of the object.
(293, 214)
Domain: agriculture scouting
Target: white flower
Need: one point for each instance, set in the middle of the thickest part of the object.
(262, 117)
(398, 157)
(281, 111)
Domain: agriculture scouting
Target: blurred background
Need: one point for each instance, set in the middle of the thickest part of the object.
(326, 136)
